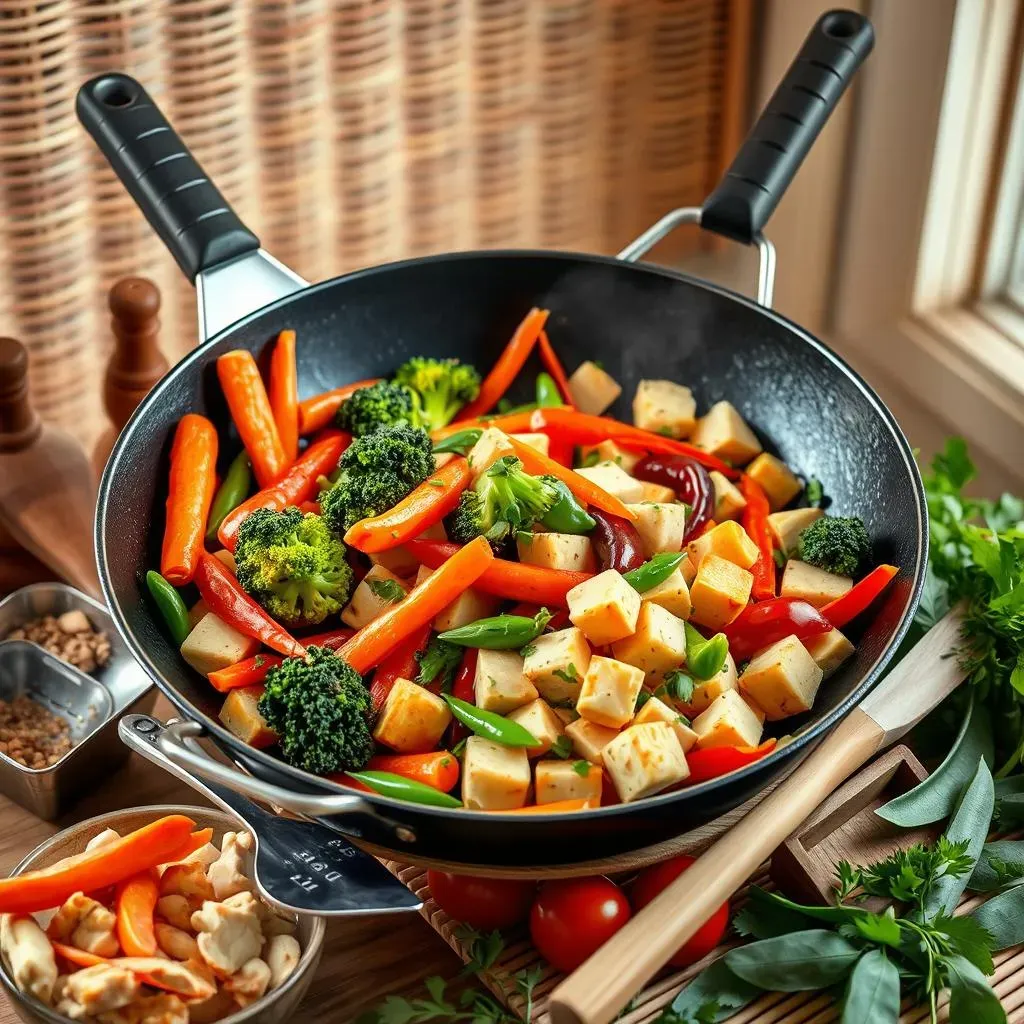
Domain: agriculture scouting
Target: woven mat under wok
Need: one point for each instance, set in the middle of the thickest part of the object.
(772, 1008)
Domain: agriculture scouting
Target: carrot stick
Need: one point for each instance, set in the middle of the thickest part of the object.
(284, 394)
(515, 581)
(439, 768)
(585, 490)
(549, 357)
(193, 479)
(243, 673)
(106, 865)
(196, 841)
(150, 970)
(319, 411)
(134, 904)
(424, 601)
(297, 486)
(250, 409)
(509, 363)
(555, 807)
(426, 505)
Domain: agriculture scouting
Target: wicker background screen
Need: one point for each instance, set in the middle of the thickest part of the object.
(348, 133)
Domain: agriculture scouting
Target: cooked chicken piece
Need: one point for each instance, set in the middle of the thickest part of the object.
(175, 910)
(188, 880)
(229, 932)
(98, 989)
(159, 1009)
(282, 955)
(274, 921)
(175, 942)
(221, 1004)
(250, 982)
(225, 873)
(190, 980)
(86, 924)
(108, 835)
(29, 956)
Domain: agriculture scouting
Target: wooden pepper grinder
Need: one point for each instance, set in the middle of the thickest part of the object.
(47, 493)
(136, 363)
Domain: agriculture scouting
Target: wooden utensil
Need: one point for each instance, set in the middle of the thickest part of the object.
(596, 991)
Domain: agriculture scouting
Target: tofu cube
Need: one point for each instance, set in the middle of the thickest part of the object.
(729, 721)
(728, 540)
(375, 594)
(720, 591)
(829, 650)
(722, 431)
(589, 739)
(605, 607)
(412, 720)
(657, 646)
(782, 679)
(787, 526)
(609, 692)
(657, 493)
(660, 525)
(688, 569)
(499, 684)
(240, 715)
(469, 606)
(645, 759)
(539, 719)
(776, 479)
(227, 559)
(592, 389)
(557, 551)
(729, 501)
(422, 573)
(609, 451)
(540, 442)
(556, 664)
(615, 480)
(568, 780)
(664, 407)
(493, 445)
(196, 613)
(656, 710)
(213, 645)
(494, 777)
(807, 582)
(705, 693)
(672, 594)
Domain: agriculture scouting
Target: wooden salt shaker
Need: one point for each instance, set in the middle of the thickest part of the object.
(47, 493)
(136, 363)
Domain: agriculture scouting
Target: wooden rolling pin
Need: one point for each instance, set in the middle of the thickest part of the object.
(599, 988)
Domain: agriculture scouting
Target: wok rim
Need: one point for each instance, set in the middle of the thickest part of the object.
(285, 774)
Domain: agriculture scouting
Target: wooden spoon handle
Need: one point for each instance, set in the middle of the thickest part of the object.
(598, 989)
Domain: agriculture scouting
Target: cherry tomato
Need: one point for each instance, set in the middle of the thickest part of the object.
(651, 882)
(483, 903)
(573, 917)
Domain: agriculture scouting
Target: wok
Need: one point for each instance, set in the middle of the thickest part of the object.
(806, 404)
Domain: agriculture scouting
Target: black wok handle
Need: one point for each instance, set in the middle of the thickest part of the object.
(165, 180)
(772, 153)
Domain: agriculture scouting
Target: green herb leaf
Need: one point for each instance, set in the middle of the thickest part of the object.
(483, 948)
(872, 993)
(968, 938)
(387, 590)
(440, 660)
(678, 685)
(713, 996)
(562, 747)
(1003, 918)
(459, 442)
(568, 674)
(879, 928)
(525, 652)
(764, 917)
(779, 558)
(970, 997)
(797, 962)
(581, 768)
(814, 492)
(1001, 863)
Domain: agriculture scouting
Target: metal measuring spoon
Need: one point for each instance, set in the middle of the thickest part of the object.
(300, 866)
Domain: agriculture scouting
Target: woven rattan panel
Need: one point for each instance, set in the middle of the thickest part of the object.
(347, 133)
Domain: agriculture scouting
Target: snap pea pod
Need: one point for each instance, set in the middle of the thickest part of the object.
(491, 726)
(651, 573)
(547, 392)
(705, 658)
(499, 632)
(401, 788)
(460, 443)
(170, 606)
(567, 515)
(232, 492)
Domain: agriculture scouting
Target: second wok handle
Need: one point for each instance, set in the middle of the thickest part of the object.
(597, 990)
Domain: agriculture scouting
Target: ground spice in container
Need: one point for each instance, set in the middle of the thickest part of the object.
(70, 637)
(32, 735)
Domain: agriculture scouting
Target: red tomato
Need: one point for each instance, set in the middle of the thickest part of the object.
(651, 882)
(483, 903)
(573, 917)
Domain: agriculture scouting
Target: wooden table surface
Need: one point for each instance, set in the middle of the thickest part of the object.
(364, 958)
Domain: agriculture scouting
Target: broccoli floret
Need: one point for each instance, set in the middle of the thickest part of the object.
(503, 500)
(836, 544)
(375, 473)
(439, 387)
(379, 405)
(292, 564)
(319, 708)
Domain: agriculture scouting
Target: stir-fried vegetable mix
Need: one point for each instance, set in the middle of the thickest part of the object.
(546, 608)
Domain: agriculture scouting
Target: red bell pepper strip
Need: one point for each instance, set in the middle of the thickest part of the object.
(840, 611)
(760, 625)
(401, 663)
(227, 600)
(318, 412)
(755, 521)
(298, 485)
(712, 762)
(463, 689)
(549, 357)
(515, 581)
